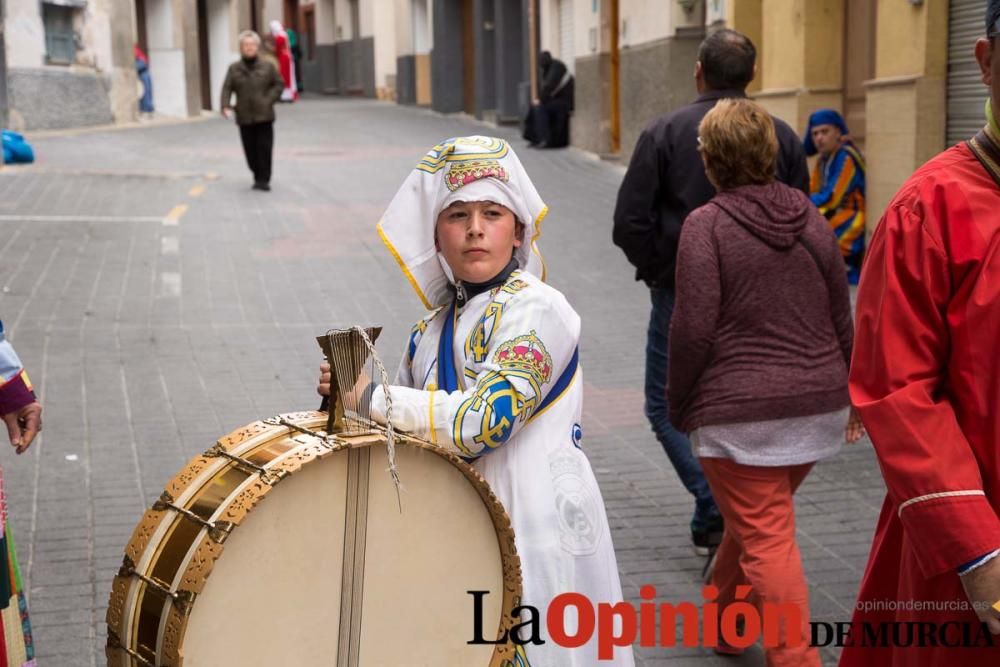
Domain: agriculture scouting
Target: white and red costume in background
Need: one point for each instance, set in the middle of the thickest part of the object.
(286, 65)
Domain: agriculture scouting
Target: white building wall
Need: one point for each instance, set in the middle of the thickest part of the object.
(369, 15)
(272, 11)
(325, 22)
(166, 59)
(384, 30)
(221, 34)
(342, 20)
(645, 21)
(548, 18)
(24, 34)
(94, 27)
(423, 21)
(587, 28)
(552, 23)
(403, 12)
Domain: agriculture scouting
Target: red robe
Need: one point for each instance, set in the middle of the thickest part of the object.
(926, 379)
(286, 66)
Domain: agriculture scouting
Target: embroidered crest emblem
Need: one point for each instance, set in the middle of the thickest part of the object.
(580, 523)
(463, 173)
(527, 355)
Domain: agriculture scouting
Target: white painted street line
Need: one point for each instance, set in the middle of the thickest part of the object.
(170, 283)
(81, 218)
(174, 217)
(169, 245)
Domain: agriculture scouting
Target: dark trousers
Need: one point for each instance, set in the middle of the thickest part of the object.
(258, 144)
(674, 443)
(548, 123)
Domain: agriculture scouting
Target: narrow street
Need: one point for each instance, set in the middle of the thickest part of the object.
(159, 303)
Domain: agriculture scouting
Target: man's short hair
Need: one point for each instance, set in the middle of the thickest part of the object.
(727, 60)
(738, 143)
(249, 34)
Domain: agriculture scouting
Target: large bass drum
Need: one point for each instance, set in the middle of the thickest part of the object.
(282, 545)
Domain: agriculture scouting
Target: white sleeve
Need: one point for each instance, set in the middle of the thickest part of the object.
(531, 353)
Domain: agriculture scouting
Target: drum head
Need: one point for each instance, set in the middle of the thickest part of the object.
(327, 570)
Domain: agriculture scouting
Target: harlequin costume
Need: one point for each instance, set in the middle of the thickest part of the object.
(493, 374)
(837, 188)
(925, 377)
(16, 646)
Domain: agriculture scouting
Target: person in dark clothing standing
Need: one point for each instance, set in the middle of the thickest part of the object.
(548, 121)
(257, 85)
(665, 181)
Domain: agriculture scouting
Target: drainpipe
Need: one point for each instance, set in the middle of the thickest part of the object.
(532, 49)
(3, 66)
(614, 82)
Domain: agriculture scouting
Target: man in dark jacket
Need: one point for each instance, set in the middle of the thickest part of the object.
(665, 181)
(258, 87)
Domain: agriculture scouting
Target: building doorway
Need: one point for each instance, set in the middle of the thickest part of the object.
(468, 57)
(291, 16)
(204, 61)
(142, 36)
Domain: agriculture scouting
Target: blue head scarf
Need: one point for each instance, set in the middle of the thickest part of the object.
(823, 117)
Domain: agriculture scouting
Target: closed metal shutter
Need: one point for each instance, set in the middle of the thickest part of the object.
(566, 53)
(966, 92)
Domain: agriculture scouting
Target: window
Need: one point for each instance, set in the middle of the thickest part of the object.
(60, 42)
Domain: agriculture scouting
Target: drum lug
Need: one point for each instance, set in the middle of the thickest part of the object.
(181, 599)
(330, 440)
(116, 643)
(269, 477)
(218, 531)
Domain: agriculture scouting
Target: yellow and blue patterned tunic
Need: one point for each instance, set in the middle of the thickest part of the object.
(838, 191)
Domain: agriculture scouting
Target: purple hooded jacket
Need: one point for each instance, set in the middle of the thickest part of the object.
(762, 326)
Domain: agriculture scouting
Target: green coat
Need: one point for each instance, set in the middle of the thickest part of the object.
(258, 87)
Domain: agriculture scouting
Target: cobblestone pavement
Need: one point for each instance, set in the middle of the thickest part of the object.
(159, 303)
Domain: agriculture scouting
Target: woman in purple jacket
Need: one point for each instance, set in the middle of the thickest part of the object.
(760, 344)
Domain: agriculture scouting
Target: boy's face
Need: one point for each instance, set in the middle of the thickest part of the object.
(477, 239)
(826, 138)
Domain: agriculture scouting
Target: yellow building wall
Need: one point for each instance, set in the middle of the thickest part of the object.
(801, 60)
(746, 16)
(906, 101)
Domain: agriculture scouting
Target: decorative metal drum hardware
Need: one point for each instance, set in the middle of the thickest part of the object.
(269, 477)
(116, 643)
(330, 440)
(218, 531)
(182, 599)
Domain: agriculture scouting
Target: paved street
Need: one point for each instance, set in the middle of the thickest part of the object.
(158, 304)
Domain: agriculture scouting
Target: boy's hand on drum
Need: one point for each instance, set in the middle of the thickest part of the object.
(324, 379)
